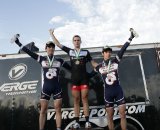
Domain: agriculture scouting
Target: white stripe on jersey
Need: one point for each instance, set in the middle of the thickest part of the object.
(117, 57)
(38, 59)
(82, 53)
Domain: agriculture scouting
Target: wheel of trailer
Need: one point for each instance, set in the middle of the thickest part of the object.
(129, 127)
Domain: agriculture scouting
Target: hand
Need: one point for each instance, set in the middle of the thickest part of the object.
(51, 31)
(133, 33)
(16, 40)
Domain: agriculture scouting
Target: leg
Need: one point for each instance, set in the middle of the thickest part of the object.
(122, 109)
(109, 102)
(57, 106)
(110, 112)
(43, 111)
(76, 98)
(84, 94)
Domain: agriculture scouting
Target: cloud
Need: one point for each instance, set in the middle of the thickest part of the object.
(84, 8)
(107, 22)
(56, 19)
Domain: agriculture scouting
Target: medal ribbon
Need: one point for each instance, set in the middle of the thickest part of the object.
(50, 61)
(77, 53)
(109, 65)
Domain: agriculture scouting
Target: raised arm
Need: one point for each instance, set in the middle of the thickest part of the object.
(67, 66)
(124, 47)
(90, 59)
(25, 49)
(51, 31)
(94, 64)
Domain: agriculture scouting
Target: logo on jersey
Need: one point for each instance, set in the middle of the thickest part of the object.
(55, 64)
(17, 72)
(104, 69)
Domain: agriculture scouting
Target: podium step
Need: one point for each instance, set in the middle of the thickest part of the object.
(88, 129)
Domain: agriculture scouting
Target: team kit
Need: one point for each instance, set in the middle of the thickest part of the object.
(107, 68)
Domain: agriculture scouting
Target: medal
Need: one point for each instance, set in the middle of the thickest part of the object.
(50, 62)
(108, 66)
(77, 62)
(50, 74)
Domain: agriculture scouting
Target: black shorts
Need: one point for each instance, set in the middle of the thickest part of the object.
(51, 89)
(113, 95)
(79, 80)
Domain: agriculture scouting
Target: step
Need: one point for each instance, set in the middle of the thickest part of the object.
(98, 128)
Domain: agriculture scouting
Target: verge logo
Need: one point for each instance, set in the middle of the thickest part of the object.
(17, 72)
(17, 88)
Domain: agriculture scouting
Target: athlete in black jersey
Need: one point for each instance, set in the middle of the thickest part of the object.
(112, 90)
(51, 67)
(78, 57)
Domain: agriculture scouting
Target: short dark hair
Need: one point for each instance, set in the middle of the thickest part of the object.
(50, 43)
(76, 36)
(106, 48)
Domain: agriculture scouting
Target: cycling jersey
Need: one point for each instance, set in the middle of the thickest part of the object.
(109, 72)
(50, 67)
(78, 71)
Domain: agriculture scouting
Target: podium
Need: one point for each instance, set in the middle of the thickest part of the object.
(98, 128)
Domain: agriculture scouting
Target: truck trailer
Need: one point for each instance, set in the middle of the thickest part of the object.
(139, 70)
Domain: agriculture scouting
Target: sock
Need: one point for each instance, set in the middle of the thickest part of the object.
(87, 118)
(77, 119)
(58, 128)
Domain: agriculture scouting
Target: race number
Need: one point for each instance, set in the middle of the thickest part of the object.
(51, 73)
(110, 78)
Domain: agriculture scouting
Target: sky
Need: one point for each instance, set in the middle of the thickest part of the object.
(98, 22)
